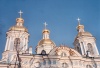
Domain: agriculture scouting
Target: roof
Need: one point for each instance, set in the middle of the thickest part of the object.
(84, 34)
(46, 41)
(18, 28)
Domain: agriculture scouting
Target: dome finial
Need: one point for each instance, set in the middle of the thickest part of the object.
(20, 20)
(20, 12)
(80, 27)
(45, 24)
(78, 20)
(45, 28)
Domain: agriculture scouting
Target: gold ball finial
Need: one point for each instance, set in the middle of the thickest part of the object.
(80, 27)
(19, 20)
(45, 31)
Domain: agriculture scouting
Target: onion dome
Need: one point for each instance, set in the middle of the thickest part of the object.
(81, 32)
(84, 34)
(80, 29)
(19, 25)
(46, 40)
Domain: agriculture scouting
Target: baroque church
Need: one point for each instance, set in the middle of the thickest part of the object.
(17, 54)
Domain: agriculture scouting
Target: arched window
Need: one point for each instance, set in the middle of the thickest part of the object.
(43, 52)
(64, 65)
(79, 49)
(49, 62)
(44, 62)
(37, 65)
(63, 54)
(90, 48)
(54, 61)
(9, 57)
(17, 44)
(88, 66)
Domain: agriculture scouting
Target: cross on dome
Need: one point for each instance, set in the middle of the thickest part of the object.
(78, 20)
(45, 24)
(20, 12)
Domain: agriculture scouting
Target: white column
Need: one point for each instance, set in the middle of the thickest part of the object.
(81, 49)
(96, 49)
(12, 44)
(9, 43)
(85, 48)
(23, 44)
(30, 50)
(45, 36)
(26, 44)
(6, 44)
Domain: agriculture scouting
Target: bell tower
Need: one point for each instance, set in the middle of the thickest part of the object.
(17, 40)
(85, 43)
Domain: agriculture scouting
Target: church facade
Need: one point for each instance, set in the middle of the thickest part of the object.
(17, 54)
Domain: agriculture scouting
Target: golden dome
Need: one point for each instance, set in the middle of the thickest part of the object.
(18, 28)
(46, 41)
(45, 31)
(84, 34)
(19, 25)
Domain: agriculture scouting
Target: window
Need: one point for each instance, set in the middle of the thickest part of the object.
(43, 52)
(54, 61)
(64, 65)
(63, 54)
(44, 62)
(49, 62)
(9, 57)
(88, 66)
(17, 44)
(90, 48)
(79, 49)
(37, 65)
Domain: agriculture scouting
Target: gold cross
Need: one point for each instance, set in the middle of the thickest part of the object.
(78, 21)
(20, 12)
(45, 24)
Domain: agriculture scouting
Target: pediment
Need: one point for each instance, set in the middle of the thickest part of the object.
(64, 49)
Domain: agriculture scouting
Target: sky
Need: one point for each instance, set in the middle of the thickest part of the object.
(60, 16)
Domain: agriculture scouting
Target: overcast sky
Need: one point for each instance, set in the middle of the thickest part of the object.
(60, 16)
